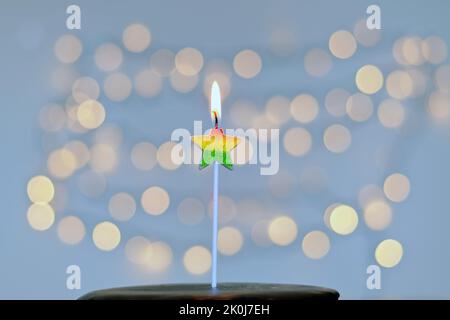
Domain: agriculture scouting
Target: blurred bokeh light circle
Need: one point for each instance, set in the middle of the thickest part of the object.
(399, 84)
(155, 200)
(304, 108)
(343, 219)
(229, 241)
(439, 106)
(68, 48)
(108, 57)
(337, 138)
(434, 50)
(61, 163)
(166, 156)
(391, 113)
(40, 189)
(106, 236)
(364, 35)
(369, 79)
(378, 215)
(335, 102)
(117, 86)
(359, 107)
(197, 260)
(317, 62)
(160, 257)
(122, 206)
(40, 216)
(163, 62)
(80, 151)
(189, 61)
(104, 158)
(182, 83)
(342, 44)
(147, 83)
(136, 37)
(71, 230)
(282, 230)
(138, 250)
(91, 114)
(297, 141)
(389, 253)
(143, 156)
(277, 109)
(396, 187)
(85, 88)
(315, 244)
(247, 64)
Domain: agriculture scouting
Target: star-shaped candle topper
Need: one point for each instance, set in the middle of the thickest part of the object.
(216, 145)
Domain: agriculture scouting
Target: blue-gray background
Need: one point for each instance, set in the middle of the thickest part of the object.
(32, 264)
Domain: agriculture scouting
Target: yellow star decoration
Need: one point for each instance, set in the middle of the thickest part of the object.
(216, 147)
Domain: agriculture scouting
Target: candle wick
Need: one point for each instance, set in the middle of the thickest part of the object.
(216, 120)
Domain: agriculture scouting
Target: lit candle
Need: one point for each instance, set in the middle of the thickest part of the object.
(216, 149)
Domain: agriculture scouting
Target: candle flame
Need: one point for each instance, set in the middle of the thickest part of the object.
(216, 104)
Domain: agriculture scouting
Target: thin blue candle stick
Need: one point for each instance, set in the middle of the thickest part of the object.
(215, 225)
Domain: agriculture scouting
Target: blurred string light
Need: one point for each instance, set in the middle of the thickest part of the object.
(68, 48)
(277, 110)
(117, 86)
(108, 57)
(304, 108)
(71, 230)
(147, 83)
(297, 141)
(230, 241)
(122, 206)
(337, 138)
(283, 230)
(84, 112)
(342, 44)
(343, 219)
(136, 37)
(197, 260)
(336, 101)
(151, 256)
(40, 189)
(359, 107)
(389, 253)
(143, 156)
(106, 236)
(391, 113)
(316, 244)
(40, 216)
(247, 64)
(317, 62)
(378, 215)
(396, 187)
(369, 79)
(155, 200)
